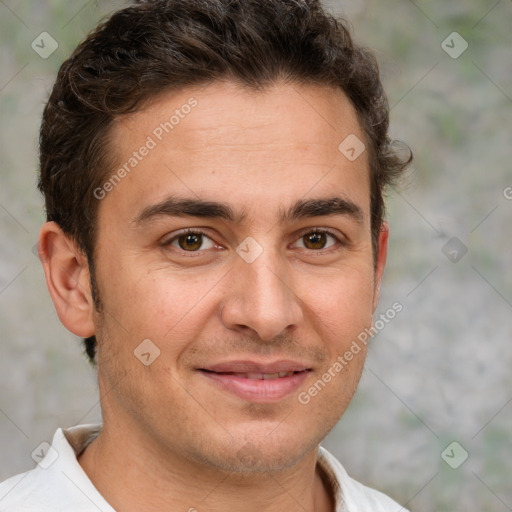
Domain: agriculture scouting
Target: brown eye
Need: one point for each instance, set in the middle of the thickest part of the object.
(190, 241)
(315, 240)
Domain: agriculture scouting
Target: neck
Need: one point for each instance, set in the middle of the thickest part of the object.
(133, 474)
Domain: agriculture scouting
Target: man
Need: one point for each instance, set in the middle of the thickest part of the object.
(213, 173)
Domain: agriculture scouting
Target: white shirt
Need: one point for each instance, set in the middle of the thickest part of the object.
(58, 483)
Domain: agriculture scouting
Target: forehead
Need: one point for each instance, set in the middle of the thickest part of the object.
(222, 141)
(306, 112)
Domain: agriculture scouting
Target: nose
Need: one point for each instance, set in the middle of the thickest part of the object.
(261, 299)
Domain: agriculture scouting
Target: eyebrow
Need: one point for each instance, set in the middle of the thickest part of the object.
(322, 207)
(192, 207)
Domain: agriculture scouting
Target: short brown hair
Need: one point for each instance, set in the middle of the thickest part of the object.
(159, 45)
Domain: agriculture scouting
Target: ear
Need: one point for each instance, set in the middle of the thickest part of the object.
(68, 279)
(382, 254)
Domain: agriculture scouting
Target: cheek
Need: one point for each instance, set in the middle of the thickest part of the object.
(153, 304)
(344, 305)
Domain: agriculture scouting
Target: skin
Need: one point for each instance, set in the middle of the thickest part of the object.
(172, 439)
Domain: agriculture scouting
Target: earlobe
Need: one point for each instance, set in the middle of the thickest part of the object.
(68, 279)
(381, 256)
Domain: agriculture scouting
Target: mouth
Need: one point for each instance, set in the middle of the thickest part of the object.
(257, 376)
(256, 382)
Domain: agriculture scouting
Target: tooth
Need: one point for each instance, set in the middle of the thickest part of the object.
(270, 376)
(284, 374)
(254, 376)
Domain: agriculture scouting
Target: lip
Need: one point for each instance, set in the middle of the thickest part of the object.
(256, 381)
(248, 366)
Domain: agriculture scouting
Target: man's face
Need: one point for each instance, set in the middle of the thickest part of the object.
(263, 286)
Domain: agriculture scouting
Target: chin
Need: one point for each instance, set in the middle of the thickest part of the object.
(259, 450)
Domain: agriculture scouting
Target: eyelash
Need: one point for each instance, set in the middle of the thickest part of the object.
(188, 231)
(198, 231)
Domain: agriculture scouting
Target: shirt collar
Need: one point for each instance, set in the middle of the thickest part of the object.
(81, 436)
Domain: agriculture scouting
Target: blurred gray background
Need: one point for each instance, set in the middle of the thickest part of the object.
(439, 373)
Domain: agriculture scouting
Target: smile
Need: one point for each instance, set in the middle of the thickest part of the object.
(262, 376)
(255, 382)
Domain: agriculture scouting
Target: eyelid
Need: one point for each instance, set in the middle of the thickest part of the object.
(195, 231)
(341, 241)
